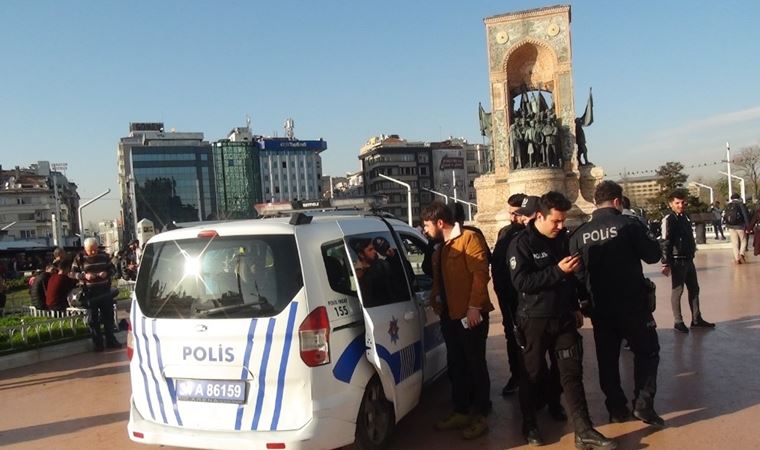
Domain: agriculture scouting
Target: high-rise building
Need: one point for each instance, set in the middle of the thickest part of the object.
(448, 167)
(164, 177)
(640, 190)
(238, 174)
(291, 169)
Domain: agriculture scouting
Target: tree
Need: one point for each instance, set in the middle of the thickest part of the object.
(748, 163)
(673, 178)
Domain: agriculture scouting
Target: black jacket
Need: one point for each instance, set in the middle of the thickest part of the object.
(544, 290)
(612, 246)
(677, 238)
(502, 283)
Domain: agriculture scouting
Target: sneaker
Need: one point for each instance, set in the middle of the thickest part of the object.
(456, 421)
(701, 323)
(680, 326)
(511, 387)
(478, 427)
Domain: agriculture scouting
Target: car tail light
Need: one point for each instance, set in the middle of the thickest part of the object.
(130, 341)
(275, 445)
(314, 335)
(208, 234)
(138, 435)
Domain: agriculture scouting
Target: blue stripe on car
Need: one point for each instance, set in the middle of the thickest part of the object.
(152, 372)
(169, 381)
(262, 376)
(349, 359)
(243, 375)
(140, 360)
(284, 364)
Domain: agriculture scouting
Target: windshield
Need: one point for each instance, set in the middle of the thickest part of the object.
(222, 277)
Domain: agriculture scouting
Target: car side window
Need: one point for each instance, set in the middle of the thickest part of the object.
(379, 269)
(415, 251)
(338, 268)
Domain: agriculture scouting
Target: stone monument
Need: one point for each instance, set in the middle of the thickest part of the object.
(533, 125)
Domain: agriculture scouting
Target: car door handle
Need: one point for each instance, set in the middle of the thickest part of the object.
(410, 315)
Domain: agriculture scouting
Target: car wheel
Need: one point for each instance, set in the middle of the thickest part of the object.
(376, 419)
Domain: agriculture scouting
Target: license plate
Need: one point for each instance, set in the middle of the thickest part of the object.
(211, 391)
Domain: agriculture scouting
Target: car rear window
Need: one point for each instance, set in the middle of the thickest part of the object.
(218, 278)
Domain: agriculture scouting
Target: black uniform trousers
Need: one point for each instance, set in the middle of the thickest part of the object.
(467, 367)
(683, 273)
(100, 307)
(639, 329)
(560, 338)
(513, 350)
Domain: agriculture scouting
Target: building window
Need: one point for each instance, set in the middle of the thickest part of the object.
(277, 189)
(230, 162)
(423, 170)
(284, 164)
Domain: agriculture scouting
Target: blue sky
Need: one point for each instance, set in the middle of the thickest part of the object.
(672, 80)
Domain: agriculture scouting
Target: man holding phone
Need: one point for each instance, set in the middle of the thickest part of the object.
(460, 297)
(548, 316)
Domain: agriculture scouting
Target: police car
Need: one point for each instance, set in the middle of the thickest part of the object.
(284, 333)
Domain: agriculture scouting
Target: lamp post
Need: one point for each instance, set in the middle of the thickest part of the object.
(700, 185)
(408, 194)
(445, 197)
(728, 168)
(81, 207)
(741, 181)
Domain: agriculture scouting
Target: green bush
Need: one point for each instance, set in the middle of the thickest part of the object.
(15, 284)
(61, 331)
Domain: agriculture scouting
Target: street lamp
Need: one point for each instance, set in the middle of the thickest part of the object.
(408, 194)
(700, 185)
(728, 166)
(445, 197)
(81, 207)
(741, 181)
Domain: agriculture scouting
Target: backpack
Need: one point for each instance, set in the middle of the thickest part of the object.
(733, 215)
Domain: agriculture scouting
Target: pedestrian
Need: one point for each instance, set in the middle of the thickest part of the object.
(548, 316)
(505, 291)
(717, 221)
(58, 287)
(3, 298)
(93, 268)
(37, 292)
(737, 221)
(460, 296)
(612, 246)
(679, 248)
(129, 261)
(753, 230)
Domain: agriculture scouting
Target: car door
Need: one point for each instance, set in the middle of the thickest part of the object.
(416, 251)
(393, 338)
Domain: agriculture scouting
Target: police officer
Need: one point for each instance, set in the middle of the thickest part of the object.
(612, 246)
(548, 316)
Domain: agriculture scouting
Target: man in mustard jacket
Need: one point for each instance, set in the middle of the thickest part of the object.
(460, 297)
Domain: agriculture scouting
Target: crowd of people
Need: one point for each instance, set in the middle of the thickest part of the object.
(92, 271)
(547, 280)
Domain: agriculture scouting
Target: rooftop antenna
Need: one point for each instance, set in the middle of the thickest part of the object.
(289, 125)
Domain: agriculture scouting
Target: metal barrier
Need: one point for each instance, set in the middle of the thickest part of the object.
(52, 326)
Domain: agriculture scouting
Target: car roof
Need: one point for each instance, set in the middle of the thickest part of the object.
(268, 226)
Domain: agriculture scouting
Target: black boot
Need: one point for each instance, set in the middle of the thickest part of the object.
(620, 415)
(531, 434)
(591, 440)
(586, 437)
(649, 416)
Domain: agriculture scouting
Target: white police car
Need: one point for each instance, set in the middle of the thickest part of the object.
(308, 332)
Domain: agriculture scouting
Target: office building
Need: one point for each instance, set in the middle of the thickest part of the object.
(238, 174)
(164, 177)
(291, 169)
(442, 170)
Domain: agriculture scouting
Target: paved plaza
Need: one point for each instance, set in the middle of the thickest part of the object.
(709, 389)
